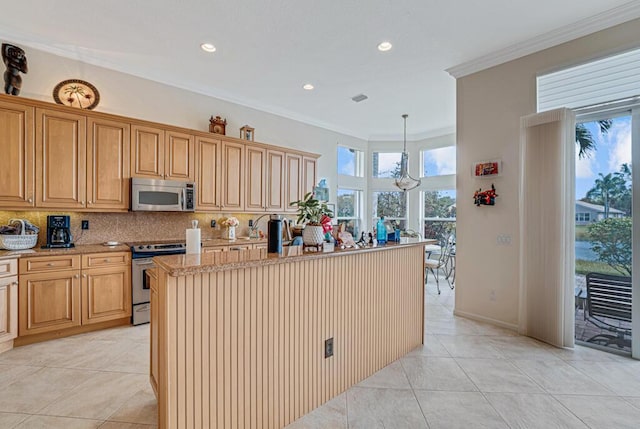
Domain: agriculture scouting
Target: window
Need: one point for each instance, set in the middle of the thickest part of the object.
(392, 205)
(349, 210)
(439, 162)
(583, 217)
(350, 162)
(439, 213)
(386, 165)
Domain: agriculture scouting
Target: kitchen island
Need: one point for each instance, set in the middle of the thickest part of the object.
(256, 340)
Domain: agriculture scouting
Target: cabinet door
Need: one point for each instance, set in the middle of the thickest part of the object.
(254, 194)
(308, 175)
(293, 180)
(8, 308)
(48, 302)
(106, 294)
(179, 158)
(147, 152)
(108, 165)
(16, 163)
(60, 159)
(208, 174)
(232, 176)
(274, 193)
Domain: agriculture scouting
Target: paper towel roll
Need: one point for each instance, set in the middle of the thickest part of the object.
(193, 241)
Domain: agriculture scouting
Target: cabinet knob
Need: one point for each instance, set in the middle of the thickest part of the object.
(30, 200)
(107, 260)
(50, 264)
(90, 202)
(15, 283)
(82, 202)
(84, 276)
(77, 276)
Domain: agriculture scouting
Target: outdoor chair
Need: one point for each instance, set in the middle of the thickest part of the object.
(608, 300)
(436, 262)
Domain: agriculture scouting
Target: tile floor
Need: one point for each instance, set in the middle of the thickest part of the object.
(467, 375)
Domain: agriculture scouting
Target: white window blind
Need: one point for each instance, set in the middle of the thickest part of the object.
(609, 79)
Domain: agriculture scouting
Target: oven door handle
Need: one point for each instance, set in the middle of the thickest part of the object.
(142, 263)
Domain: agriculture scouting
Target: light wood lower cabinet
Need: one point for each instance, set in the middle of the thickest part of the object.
(49, 301)
(8, 303)
(56, 294)
(106, 294)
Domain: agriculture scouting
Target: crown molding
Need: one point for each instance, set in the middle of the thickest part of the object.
(607, 19)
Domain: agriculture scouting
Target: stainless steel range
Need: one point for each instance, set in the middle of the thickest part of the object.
(141, 261)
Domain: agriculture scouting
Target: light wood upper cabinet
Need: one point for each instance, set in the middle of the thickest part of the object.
(60, 159)
(48, 301)
(147, 152)
(208, 175)
(106, 294)
(309, 174)
(17, 160)
(179, 156)
(256, 178)
(293, 180)
(108, 165)
(275, 190)
(232, 176)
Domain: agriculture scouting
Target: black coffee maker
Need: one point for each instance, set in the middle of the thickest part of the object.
(58, 232)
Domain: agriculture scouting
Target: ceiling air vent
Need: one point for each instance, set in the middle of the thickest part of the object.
(358, 98)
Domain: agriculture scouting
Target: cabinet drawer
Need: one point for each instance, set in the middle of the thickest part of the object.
(8, 267)
(41, 264)
(106, 259)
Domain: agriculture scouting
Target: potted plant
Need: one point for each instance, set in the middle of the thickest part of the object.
(230, 225)
(314, 214)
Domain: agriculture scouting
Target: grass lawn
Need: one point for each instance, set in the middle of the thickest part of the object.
(584, 267)
(581, 233)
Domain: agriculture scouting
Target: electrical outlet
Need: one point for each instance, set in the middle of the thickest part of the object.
(503, 240)
(492, 295)
(328, 347)
(85, 224)
(213, 223)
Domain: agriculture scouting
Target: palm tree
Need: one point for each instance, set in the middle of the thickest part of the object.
(606, 189)
(585, 140)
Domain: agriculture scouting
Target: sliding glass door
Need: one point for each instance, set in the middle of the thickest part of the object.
(604, 224)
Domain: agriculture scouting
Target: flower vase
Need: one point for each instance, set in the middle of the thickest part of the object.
(313, 235)
(229, 233)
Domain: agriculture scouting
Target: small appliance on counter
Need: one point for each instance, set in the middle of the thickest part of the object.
(58, 232)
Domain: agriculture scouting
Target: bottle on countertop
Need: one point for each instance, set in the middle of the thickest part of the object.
(381, 231)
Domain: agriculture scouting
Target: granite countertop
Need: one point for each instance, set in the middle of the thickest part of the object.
(122, 247)
(184, 265)
(77, 250)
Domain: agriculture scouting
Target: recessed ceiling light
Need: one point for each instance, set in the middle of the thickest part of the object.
(208, 47)
(385, 46)
(307, 86)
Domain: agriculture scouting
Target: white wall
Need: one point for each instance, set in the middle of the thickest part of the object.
(489, 106)
(131, 96)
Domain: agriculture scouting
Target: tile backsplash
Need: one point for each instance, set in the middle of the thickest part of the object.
(133, 226)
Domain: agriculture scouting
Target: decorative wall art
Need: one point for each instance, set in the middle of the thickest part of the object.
(247, 133)
(217, 125)
(485, 198)
(492, 168)
(76, 93)
(16, 61)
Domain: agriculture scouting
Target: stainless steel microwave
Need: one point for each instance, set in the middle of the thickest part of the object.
(154, 195)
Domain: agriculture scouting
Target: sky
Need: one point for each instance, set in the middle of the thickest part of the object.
(612, 150)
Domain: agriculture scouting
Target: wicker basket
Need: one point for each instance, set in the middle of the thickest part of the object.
(18, 242)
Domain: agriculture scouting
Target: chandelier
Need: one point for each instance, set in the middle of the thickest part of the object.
(405, 181)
